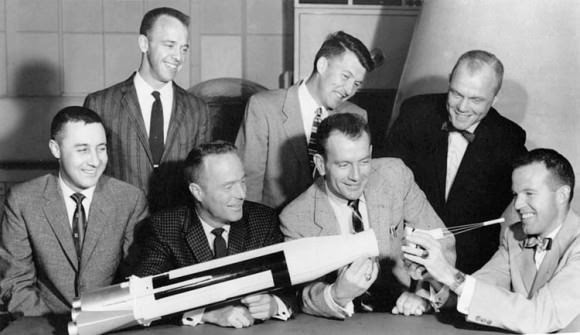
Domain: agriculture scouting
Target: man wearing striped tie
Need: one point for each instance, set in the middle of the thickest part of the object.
(278, 134)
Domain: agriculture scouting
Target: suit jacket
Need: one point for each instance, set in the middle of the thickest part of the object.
(393, 200)
(273, 146)
(130, 157)
(482, 187)
(510, 293)
(37, 239)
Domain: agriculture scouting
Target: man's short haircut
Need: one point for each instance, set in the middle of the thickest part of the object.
(351, 125)
(72, 114)
(194, 160)
(152, 16)
(558, 166)
(338, 43)
(476, 59)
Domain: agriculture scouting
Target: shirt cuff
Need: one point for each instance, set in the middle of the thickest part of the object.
(346, 311)
(284, 313)
(193, 318)
(464, 300)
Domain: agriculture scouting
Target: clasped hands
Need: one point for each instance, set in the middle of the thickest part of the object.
(255, 307)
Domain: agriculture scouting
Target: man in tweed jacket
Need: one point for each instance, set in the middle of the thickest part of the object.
(187, 235)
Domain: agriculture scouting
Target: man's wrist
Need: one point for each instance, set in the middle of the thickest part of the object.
(457, 284)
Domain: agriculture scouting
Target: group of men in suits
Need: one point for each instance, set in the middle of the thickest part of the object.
(305, 153)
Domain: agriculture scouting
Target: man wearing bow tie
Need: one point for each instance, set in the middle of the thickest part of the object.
(460, 150)
(531, 282)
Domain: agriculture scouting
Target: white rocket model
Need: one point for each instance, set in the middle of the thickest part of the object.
(143, 300)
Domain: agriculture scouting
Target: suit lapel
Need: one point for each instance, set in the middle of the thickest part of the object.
(100, 215)
(324, 216)
(177, 115)
(130, 104)
(524, 264)
(196, 239)
(378, 212)
(55, 212)
(559, 245)
(237, 236)
(440, 160)
(294, 126)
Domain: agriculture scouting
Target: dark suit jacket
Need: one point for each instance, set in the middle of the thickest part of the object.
(482, 186)
(37, 241)
(273, 146)
(129, 155)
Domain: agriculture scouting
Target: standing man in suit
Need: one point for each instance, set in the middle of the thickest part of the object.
(530, 285)
(70, 232)
(357, 193)
(460, 151)
(218, 223)
(276, 136)
(152, 122)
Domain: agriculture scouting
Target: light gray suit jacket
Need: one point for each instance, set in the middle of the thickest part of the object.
(37, 240)
(393, 199)
(273, 147)
(510, 293)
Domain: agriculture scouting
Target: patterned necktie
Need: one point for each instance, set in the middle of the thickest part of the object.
(219, 244)
(79, 223)
(156, 129)
(313, 143)
(357, 224)
(540, 244)
(448, 126)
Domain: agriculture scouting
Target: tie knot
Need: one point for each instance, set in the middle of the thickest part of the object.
(218, 232)
(540, 243)
(318, 112)
(448, 126)
(155, 94)
(353, 204)
(78, 198)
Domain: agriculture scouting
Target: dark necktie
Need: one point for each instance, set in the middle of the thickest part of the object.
(156, 129)
(219, 244)
(357, 224)
(538, 243)
(448, 126)
(79, 223)
(313, 143)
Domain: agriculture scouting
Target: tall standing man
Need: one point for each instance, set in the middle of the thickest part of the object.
(152, 122)
(219, 222)
(355, 193)
(530, 285)
(277, 138)
(460, 150)
(68, 232)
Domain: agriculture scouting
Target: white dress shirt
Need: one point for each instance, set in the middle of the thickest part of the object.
(308, 107)
(146, 100)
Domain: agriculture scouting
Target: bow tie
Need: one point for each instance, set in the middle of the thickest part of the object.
(542, 244)
(448, 126)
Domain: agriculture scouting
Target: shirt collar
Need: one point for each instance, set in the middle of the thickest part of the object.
(207, 228)
(340, 201)
(306, 99)
(143, 87)
(67, 191)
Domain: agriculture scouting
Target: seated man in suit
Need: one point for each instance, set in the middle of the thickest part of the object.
(355, 193)
(68, 232)
(277, 138)
(460, 150)
(531, 282)
(217, 223)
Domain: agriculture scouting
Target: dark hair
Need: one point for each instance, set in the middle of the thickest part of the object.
(72, 114)
(475, 59)
(351, 125)
(151, 16)
(559, 167)
(194, 160)
(338, 43)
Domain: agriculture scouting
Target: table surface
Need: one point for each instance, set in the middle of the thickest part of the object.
(363, 323)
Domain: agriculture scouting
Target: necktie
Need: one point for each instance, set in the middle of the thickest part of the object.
(219, 244)
(156, 129)
(79, 223)
(313, 143)
(357, 224)
(540, 244)
(448, 126)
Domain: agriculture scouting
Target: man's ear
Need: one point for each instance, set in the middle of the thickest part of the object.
(319, 164)
(54, 148)
(563, 194)
(196, 191)
(321, 64)
(143, 43)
